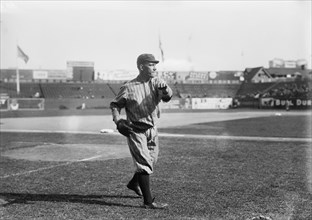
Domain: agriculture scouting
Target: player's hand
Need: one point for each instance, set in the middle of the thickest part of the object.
(162, 85)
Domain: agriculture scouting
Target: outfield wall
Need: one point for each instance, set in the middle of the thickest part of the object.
(67, 103)
(188, 103)
(282, 103)
(198, 103)
(77, 103)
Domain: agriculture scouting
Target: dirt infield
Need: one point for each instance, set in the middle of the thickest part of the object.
(96, 123)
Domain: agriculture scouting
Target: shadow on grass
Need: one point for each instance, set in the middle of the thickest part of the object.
(26, 198)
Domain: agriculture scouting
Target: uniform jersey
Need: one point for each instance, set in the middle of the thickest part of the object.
(140, 100)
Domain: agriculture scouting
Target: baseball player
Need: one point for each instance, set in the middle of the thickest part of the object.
(140, 98)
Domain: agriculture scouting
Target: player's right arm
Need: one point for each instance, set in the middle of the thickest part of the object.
(118, 103)
(164, 90)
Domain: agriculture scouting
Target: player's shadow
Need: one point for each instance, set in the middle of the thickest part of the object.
(27, 198)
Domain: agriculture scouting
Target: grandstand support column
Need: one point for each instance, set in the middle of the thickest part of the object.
(115, 93)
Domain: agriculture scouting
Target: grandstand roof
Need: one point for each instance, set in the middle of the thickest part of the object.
(287, 71)
(250, 73)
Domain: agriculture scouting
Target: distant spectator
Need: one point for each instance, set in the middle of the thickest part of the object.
(36, 95)
(83, 106)
(14, 105)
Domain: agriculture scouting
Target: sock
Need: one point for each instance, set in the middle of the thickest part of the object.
(144, 182)
(135, 180)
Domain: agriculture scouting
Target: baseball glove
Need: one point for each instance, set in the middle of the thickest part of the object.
(124, 128)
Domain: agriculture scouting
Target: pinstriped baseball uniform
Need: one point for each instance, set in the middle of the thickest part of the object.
(140, 98)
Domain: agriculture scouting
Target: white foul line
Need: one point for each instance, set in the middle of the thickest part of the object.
(204, 136)
(244, 138)
(90, 158)
(49, 167)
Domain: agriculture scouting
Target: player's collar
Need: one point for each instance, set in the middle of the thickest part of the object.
(143, 78)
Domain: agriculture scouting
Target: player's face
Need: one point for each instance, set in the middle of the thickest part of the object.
(149, 69)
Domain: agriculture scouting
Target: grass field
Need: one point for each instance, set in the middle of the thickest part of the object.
(83, 176)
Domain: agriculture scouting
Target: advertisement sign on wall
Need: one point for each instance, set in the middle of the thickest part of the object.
(211, 103)
(50, 74)
(40, 74)
(282, 103)
(198, 75)
(57, 74)
(173, 104)
(198, 103)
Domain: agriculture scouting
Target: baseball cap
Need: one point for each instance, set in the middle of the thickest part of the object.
(146, 58)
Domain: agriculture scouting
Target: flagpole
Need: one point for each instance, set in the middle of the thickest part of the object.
(161, 50)
(17, 75)
(189, 57)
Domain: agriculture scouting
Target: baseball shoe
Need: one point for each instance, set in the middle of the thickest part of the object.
(155, 205)
(136, 189)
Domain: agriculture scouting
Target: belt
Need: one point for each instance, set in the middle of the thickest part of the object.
(140, 127)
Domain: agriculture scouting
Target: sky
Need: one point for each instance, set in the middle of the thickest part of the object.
(194, 35)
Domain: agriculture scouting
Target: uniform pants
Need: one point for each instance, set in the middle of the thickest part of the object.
(144, 149)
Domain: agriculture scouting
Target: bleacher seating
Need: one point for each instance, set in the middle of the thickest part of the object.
(27, 90)
(59, 90)
(106, 90)
(207, 90)
(76, 90)
(250, 90)
(197, 90)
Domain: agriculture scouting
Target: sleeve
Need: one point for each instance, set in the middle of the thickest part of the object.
(118, 103)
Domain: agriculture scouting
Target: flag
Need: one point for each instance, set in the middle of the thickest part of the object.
(22, 55)
(161, 50)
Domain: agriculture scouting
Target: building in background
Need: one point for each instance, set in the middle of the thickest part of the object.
(295, 64)
(81, 71)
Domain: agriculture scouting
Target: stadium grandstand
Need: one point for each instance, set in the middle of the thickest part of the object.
(258, 87)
